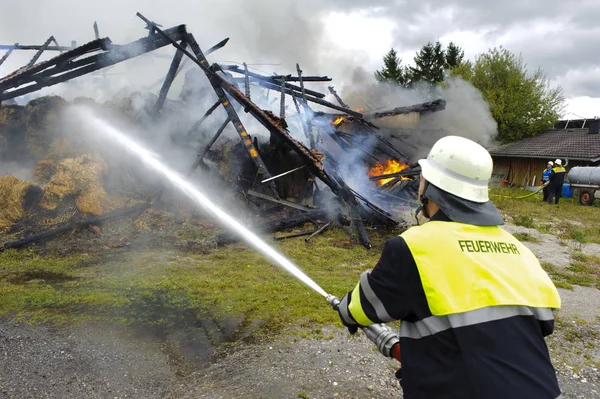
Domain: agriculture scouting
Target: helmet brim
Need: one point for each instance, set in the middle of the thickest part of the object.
(459, 186)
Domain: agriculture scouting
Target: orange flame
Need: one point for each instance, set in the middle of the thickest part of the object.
(390, 166)
(339, 120)
(359, 109)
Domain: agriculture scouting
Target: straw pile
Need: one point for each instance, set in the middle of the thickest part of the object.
(43, 116)
(16, 196)
(81, 177)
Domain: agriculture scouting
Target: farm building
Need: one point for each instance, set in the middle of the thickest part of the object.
(575, 142)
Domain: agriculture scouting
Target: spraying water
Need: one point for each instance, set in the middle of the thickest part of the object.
(196, 195)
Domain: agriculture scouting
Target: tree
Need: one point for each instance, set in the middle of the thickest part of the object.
(454, 56)
(430, 63)
(522, 104)
(392, 70)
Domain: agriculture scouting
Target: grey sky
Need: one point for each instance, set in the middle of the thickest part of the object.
(560, 36)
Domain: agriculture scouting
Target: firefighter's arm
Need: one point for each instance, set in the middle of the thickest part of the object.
(382, 294)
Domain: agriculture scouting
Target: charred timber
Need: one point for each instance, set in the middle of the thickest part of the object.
(433, 106)
(14, 78)
(272, 79)
(39, 53)
(411, 173)
(5, 56)
(164, 90)
(312, 99)
(200, 157)
(70, 226)
(277, 225)
(337, 97)
(237, 69)
(64, 67)
(34, 47)
(338, 187)
(292, 235)
(363, 238)
(218, 84)
(196, 125)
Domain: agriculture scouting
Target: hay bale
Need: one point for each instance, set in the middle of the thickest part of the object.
(81, 176)
(12, 133)
(137, 107)
(16, 197)
(43, 124)
(95, 201)
(44, 169)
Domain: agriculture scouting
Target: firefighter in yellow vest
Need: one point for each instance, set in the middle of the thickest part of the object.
(474, 303)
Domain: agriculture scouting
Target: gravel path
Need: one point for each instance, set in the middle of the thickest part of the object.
(98, 361)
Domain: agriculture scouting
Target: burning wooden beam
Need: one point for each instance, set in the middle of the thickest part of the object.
(412, 173)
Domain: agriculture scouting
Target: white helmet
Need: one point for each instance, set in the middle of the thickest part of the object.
(558, 162)
(460, 167)
(550, 163)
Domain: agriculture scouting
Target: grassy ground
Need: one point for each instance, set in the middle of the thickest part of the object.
(568, 219)
(172, 288)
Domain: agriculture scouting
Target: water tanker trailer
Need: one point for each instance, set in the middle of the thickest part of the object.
(586, 180)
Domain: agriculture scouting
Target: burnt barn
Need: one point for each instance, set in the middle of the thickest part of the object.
(310, 156)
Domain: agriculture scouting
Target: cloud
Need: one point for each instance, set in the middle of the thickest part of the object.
(558, 36)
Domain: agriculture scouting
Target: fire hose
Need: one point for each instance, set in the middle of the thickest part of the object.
(384, 338)
(521, 196)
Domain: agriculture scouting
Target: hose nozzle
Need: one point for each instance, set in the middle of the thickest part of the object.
(333, 301)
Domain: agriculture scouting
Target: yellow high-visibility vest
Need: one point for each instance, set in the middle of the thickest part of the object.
(465, 267)
(558, 169)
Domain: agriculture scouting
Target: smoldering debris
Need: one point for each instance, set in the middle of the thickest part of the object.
(290, 158)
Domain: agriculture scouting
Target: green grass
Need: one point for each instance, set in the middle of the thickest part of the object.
(524, 220)
(568, 220)
(584, 271)
(525, 237)
(173, 288)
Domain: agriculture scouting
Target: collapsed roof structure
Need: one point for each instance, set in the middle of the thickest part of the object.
(328, 136)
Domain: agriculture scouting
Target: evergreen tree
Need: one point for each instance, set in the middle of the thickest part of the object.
(430, 62)
(392, 70)
(454, 56)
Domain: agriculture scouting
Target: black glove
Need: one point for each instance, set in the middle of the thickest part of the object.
(352, 328)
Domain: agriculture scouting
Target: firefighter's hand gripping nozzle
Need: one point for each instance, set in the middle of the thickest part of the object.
(382, 336)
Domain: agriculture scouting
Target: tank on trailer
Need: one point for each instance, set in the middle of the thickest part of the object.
(587, 180)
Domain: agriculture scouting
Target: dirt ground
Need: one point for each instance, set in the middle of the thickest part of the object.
(95, 360)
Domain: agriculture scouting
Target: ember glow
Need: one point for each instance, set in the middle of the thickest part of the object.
(339, 120)
(391, 166)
